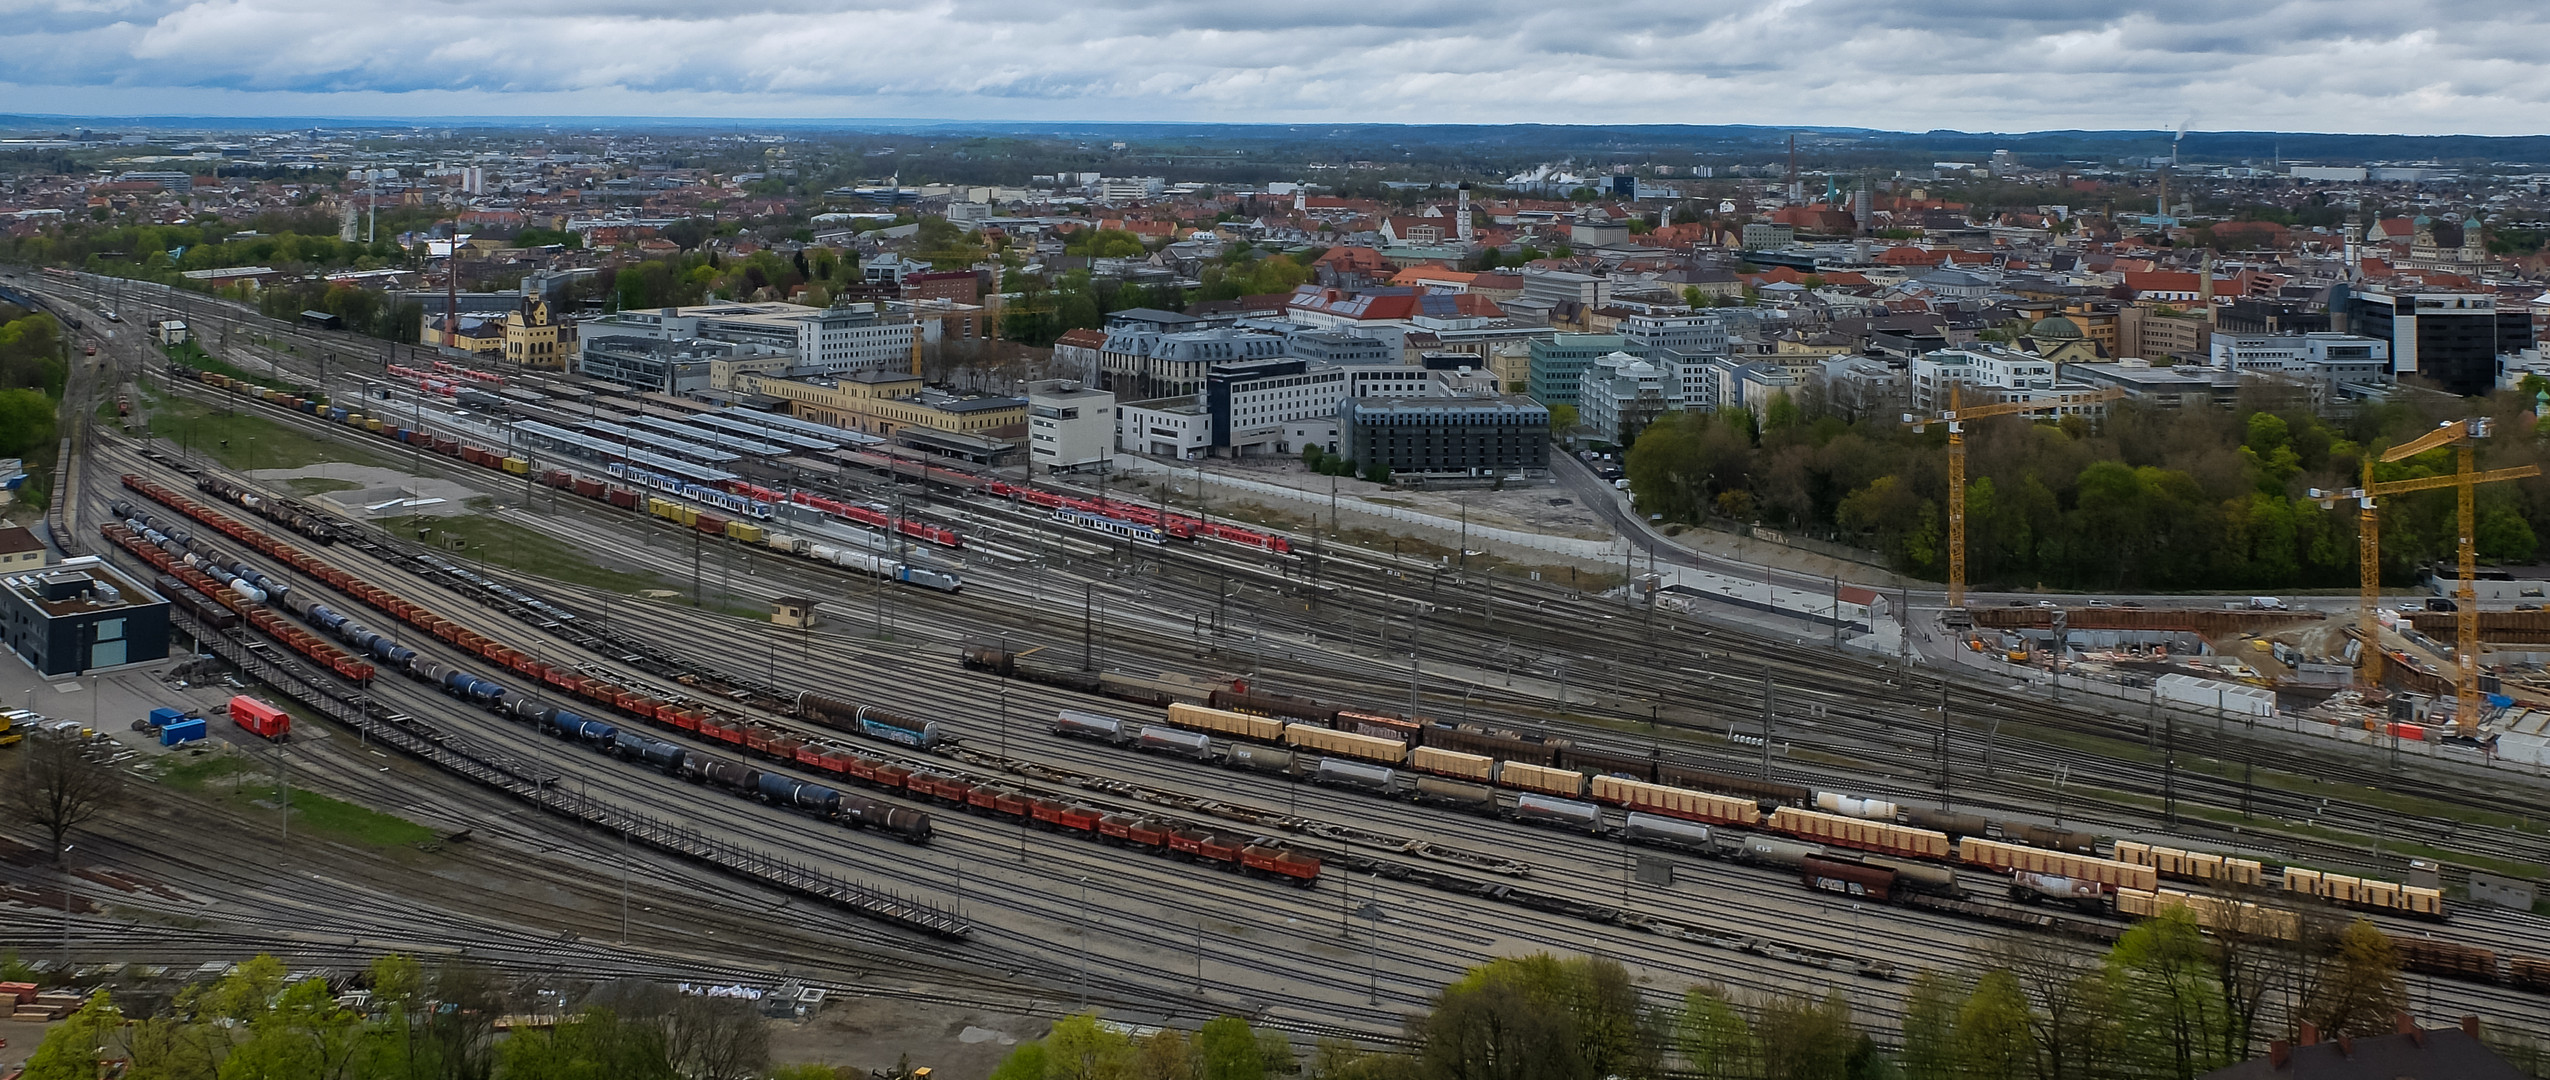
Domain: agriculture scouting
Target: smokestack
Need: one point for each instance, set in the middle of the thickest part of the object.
(2205, 282)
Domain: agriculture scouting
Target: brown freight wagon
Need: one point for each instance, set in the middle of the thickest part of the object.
(1854, 880)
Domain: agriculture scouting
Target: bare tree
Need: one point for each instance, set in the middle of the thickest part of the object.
(59, 785)
(2069, 985)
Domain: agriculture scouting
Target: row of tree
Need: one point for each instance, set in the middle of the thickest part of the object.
(412, 1023)
(2166, 1000)
(31, 375)
(2163, 499)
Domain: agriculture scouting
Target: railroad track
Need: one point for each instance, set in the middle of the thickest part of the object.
(1634, 675)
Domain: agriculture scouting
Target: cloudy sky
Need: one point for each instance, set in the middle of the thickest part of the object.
(2392, 66)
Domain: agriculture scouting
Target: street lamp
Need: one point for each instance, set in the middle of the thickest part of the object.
(66, 909)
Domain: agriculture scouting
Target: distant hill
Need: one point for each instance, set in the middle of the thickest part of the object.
(1504, 141)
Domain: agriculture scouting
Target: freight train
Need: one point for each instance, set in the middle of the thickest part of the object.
(1257, 856)
(1569, 785)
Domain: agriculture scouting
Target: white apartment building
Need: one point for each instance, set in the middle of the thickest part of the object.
(1985, 373)
(1253, 404)
(1649, 336)
(2295, 354)
(1619, 395)
(853, 338)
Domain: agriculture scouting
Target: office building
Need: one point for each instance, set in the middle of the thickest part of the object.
(1649, 336)
(671, 366)
(2294, 354)
(81, 615)
(2450, 339)
(1171, 427)
(1069, 426)
(1558, 361)
(1446, 433)
(1620, 394)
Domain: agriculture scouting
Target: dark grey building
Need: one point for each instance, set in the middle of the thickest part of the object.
(2449, 339)
(81, 614)
(1446, 433)
(672, 367)
(1331, 347)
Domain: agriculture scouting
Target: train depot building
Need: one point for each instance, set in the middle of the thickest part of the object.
(81, 615)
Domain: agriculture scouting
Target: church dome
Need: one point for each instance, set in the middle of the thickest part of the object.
(2056, 327)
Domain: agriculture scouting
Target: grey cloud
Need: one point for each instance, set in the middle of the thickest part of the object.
(1978, 64)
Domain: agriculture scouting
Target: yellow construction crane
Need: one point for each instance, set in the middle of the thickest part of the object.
(1955, 416)
(2459, 434)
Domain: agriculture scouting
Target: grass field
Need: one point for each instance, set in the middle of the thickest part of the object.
(245, 441)
(317, 485)
(504, 544)
(248, 785)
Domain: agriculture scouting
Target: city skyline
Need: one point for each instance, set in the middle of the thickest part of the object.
(2357, 68)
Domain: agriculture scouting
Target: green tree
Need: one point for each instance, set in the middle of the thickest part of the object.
(1027, 1062)
(1537, 1018)
(1992, 1036)
(1803, 1038)
(70, 1051)
(806, 1070)
(1377, 472)
(1714, 1039)
(1077, 1048)
(2358, 987)
(2172, 1010)
(1227, 1050)
(1930, 1022)
(592, 1045)
(26, 422)
(2503, 536)
(1165, 1054)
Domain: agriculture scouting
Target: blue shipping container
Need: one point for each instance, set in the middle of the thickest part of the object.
(182, 731)
(164, 716)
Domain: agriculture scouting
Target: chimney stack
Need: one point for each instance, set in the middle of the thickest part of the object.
(2310, 1033)
(2279, 1053)
(2470, 1026)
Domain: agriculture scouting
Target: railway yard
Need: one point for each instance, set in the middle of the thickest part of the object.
(1044, 746)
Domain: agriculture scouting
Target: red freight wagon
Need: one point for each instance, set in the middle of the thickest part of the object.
(1302, 869)
(261, 719)
(1198, 844)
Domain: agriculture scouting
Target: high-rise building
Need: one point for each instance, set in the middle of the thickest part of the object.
(2450, 339)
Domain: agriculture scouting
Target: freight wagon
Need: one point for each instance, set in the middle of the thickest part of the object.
(1081, 725)
(2365, 893)
(1281, 706)
(1329, 741)
(1877, 836)
(2202, 866)
(1224, 722)
(261, 719)
(2108, 874)
(1675, 802)
(1564, 783)
(1453, 763)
